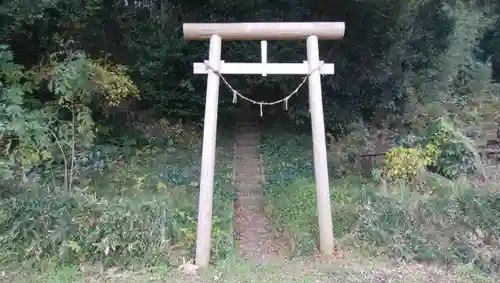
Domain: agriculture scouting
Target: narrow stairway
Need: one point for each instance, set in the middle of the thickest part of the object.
(255, 237)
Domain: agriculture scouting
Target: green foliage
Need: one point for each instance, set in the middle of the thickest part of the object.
(402, 65)
(299, 205)
(456, 224)
(408, 47)
(139, 210)
(415, 227)
(37, 133)
(161, 165)
(444, 229)
(107, 211)
(15, 122)
(455, 154)
(76, 227)
(405, 164)
(114, 82)
(443, 148)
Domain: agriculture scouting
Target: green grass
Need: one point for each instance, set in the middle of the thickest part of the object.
(288, 158)
(178, 164)
(348, 269)
(448, 227)
(379, 228)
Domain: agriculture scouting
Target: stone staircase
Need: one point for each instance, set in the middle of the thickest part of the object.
(255, 237)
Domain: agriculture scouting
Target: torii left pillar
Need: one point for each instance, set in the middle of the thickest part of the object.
(262, 31)
(204, 229)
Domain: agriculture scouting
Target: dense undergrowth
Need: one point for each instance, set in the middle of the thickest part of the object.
(79, 187)
(140, 210)
(450, 222)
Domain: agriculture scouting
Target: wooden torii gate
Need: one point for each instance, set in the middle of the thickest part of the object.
(263, 31)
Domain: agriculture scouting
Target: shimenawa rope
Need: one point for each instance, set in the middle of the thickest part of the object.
(262, 103)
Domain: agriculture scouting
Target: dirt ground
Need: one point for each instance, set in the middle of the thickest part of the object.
(342, 269)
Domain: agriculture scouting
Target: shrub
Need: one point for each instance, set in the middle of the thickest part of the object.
(444, 148)
(456, 153)
(405, 164)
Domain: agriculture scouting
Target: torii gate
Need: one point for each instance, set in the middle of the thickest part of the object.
(263, 31)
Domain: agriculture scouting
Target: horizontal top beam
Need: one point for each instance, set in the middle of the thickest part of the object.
(265, 31)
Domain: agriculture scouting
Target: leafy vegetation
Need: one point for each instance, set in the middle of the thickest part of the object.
(142, 210)
(106, 206)
(449, 223)
(100, 131)
(135, 214)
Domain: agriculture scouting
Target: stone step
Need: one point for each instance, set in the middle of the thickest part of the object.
(243, 128)
(240, 170)
(246, 160)
(244, 156)
(248, 181)
(246, 171)
(247, 130)
(253, 146)
(246, 164)
(258, 194)
(246, 143)
(248, 177)
(247, 138)
(255, 188)
(246, 135)
(250, 201)
(249, 123)
(247, 157)
(246, 148)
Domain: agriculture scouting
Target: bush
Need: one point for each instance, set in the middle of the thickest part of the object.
(456, 154)
(405, 164)
(442, 148)
(74, 228)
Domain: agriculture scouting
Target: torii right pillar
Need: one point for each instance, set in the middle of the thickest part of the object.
(319, 148)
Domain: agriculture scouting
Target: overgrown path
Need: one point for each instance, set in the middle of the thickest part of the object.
(255, 237)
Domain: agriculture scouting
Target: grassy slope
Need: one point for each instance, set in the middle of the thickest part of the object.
(287, 158)
(402, 224)
(165, 167)
(177, 164)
